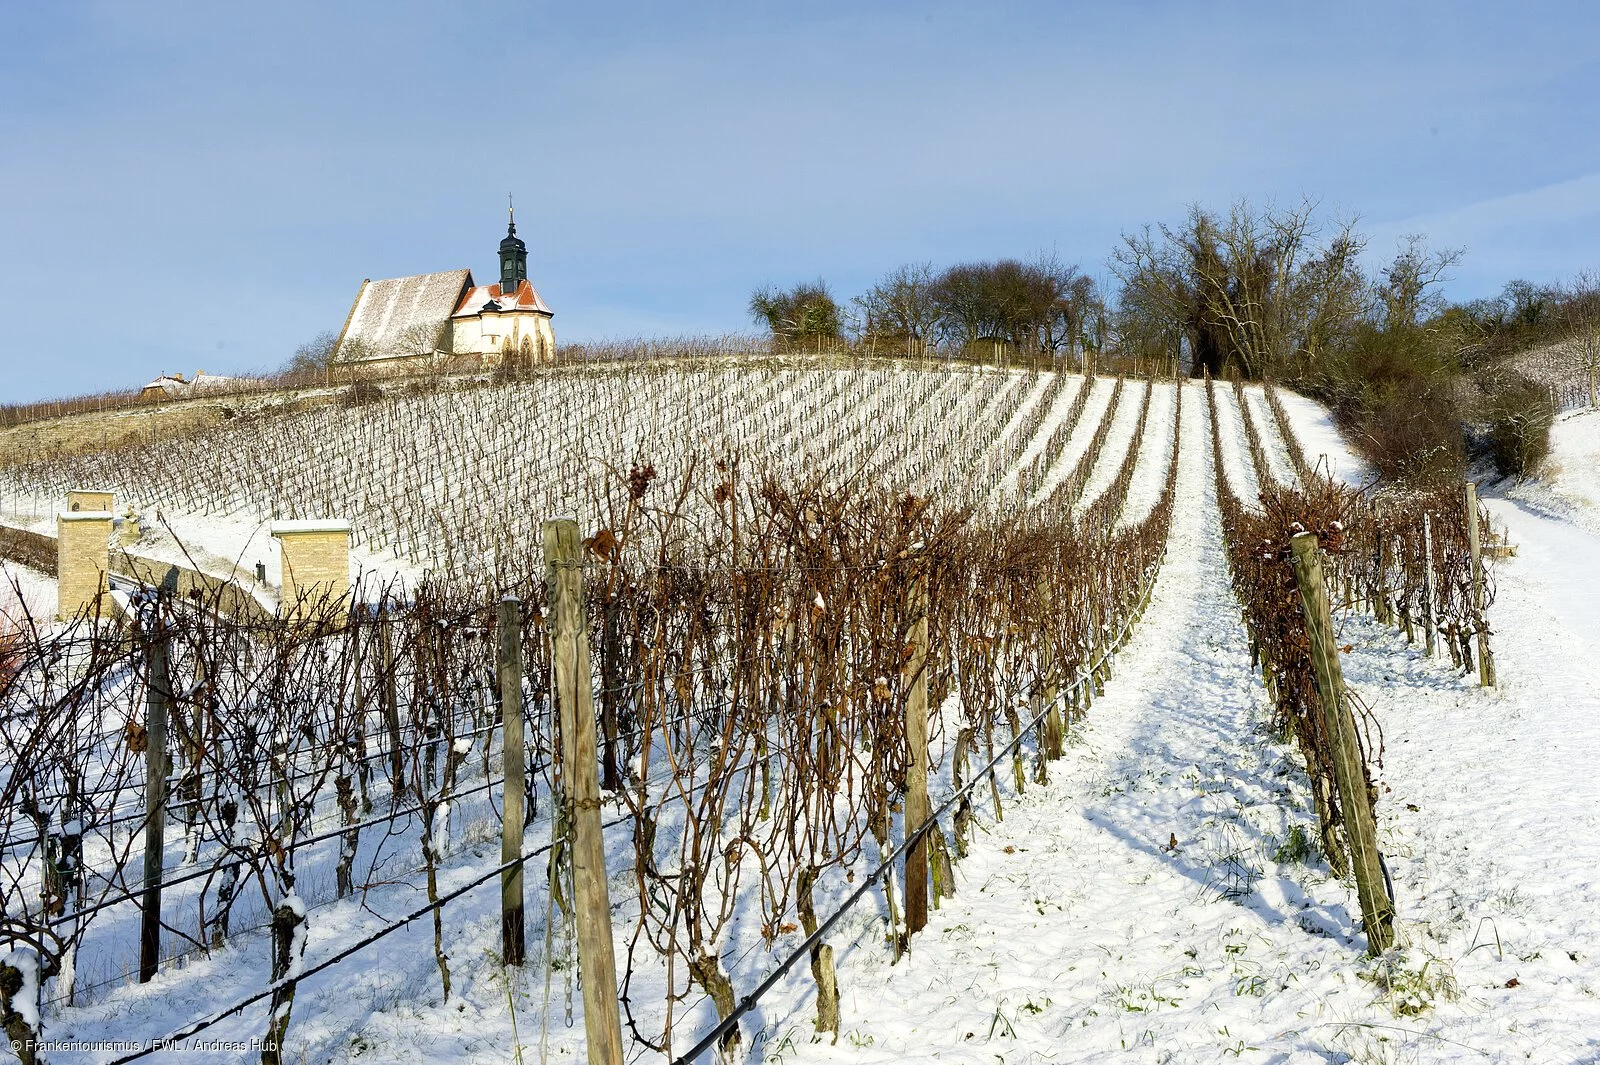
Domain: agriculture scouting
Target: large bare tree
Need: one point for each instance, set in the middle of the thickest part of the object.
(1408, 291)
(1260, 290)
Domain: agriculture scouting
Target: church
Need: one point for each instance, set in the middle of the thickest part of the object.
(406, 324)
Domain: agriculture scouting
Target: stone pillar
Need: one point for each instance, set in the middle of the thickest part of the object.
(83, 558)
(128, 529)
(316, 568)
(81, 499)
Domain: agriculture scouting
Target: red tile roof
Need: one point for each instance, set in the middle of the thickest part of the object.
(526, 298)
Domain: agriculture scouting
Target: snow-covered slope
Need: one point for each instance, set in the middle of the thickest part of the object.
(1150, 903)
(1569, 484)
(1320, 439)
(1144, 906)
(25, 595)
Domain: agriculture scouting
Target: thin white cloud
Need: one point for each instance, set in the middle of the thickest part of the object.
(1543, 233)
(1559, 203)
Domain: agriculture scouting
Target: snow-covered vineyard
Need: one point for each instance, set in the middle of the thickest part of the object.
(1055, 613)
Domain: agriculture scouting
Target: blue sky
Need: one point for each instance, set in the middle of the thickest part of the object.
(204, 185)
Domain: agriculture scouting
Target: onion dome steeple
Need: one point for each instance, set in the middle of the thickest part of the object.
(513, 256)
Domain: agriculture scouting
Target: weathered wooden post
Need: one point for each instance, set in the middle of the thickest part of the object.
(1402, 607)
(1428, 630)
(158, 699)
(1380, 589)
(918, 809)
(1051, 730)
(391, 702)
(574, 693)
(1479, 622)
(514, 741)
(1377, 912)
(1098, 650)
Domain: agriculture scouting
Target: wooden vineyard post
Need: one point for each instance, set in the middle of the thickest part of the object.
(1050, 741)
(514, 743)
(158, 699)
(1377, 911)
(1380, 590)
(1427, 583)
(574, 692)
(1485, 657)
(391, 702)
(918, 809)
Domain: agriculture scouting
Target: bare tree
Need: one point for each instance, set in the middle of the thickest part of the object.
(1583, 311)
(315, 356)
(900, 310)
(1404, 291)
(1043, 307)
(423, 338)
(1254, 289)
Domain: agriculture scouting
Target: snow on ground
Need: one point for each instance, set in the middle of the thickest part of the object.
(1569, 484)
(1053, 418)
(26, 596)
(1155, 452)
(1271, 440)
(230, 546)
(1094, 410)
(1119, 437)
(1237, 468)
(1147, 905)
(1025, 408)
(1493, 821)
(1320, 440)
(1082, 933)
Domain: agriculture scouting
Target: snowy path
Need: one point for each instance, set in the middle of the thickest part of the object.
(1271, 440)
(1569, 485)
(1236, 461)
(1094, 411)
(1155, 452)
(1523, 790)
(1492, 823)
(1119, 437)
(1081, 934)
(1078, 933)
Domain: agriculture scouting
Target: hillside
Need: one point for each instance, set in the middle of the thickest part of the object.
(447, 482)
(1563, 367)
(1568, 487)
(1155, 893)
(123, 426)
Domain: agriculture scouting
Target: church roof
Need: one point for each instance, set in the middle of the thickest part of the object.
(526, 298)
(402, 315)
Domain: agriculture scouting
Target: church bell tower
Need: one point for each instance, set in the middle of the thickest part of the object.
(513, 256)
